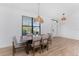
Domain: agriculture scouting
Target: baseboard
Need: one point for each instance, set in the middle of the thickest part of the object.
(69, 37)
(6, 45)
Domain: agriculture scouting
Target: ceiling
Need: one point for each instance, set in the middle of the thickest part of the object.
(46, 9)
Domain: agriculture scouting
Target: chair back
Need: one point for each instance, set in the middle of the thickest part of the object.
(50, 35)
(45, 38)
(17, 40)
(37, 40)
(27, 37)
(14, 40)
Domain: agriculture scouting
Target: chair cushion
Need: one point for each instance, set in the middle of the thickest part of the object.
(36, 43)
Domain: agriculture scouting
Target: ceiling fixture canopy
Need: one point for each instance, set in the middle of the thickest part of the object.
(39, 18)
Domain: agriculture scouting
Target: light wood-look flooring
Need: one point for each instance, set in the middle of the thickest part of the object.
(60, 47)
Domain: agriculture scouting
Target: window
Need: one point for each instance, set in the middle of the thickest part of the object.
(29, 26)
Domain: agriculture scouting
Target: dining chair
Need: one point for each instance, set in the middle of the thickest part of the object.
(28, 39)
(36, 44)
(44, 42)
(50, 38)
(17, 44)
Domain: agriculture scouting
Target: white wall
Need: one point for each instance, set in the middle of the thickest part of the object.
(10, 24)
(70, 28)
(46, 26)
(11, 21)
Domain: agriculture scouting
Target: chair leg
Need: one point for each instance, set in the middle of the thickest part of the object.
(13, 49)
(25, 49)
(33, 51)
(40, 50)
(13, 52)
(47, 47)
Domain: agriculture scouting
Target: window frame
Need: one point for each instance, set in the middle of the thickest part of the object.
(31, 25)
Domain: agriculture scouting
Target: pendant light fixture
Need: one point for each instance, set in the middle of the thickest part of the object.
(39, 18)
(63, 17)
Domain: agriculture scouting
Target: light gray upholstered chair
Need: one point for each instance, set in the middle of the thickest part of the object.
(45, 43)
(28, 40)
(36, 43)
(50, 38)
(17, 44)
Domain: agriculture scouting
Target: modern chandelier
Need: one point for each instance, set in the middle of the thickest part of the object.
(63, 17)
(39, 18)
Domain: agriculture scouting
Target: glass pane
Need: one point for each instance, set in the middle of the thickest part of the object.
(27, 30)
(27, 21)
(35, 30)
(35, 23)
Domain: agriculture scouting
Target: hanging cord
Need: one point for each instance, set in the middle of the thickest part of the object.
(38, 9)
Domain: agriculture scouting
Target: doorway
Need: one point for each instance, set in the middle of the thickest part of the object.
(54, 28)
